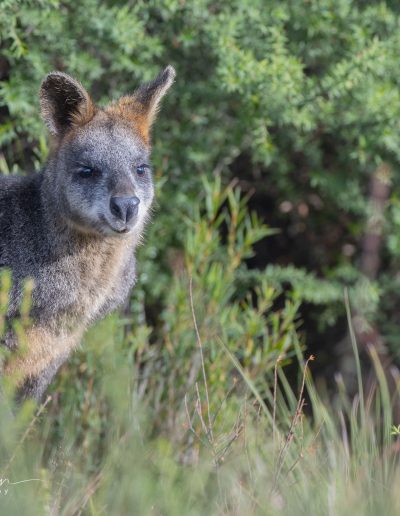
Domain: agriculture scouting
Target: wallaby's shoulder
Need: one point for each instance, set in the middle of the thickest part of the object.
(19, 189)
(21, 215)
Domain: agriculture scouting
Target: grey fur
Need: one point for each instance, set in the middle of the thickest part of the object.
(56, 227)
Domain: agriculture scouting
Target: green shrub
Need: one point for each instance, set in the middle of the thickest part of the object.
(300, 100)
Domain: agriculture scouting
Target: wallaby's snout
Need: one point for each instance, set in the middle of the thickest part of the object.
(125, 210)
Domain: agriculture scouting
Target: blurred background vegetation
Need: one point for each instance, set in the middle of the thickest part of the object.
(276, 163)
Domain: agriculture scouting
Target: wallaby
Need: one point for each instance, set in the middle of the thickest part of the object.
(74, 227)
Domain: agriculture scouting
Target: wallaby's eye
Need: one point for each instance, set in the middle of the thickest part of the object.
(85, 171)
(142, 169)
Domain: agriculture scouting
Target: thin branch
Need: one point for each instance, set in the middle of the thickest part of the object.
(274, 402)
(210, 431)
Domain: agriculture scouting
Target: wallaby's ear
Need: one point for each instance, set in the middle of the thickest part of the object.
(64, 103)
(141, 107)
(149, 95)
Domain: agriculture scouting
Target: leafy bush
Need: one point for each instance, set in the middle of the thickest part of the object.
(298, 102)
(301, 102)
(250, 450)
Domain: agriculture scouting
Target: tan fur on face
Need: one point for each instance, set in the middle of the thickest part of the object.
(128, 109)
(140, 109)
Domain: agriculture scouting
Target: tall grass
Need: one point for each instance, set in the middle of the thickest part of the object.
(197, 415)
(252, 454)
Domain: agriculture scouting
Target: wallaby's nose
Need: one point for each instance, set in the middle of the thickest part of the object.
(124, 208)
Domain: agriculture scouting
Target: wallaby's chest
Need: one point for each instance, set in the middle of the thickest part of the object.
(80, 287)
(70, 292)
(105, 278)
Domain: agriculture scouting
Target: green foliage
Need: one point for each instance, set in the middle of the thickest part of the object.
(300, 102)
(307, 94)
(111, 443)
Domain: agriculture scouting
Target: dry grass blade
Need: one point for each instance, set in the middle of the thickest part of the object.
(294, 422)
(25, 435)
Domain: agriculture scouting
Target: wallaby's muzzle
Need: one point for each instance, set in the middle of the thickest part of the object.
(125, 209)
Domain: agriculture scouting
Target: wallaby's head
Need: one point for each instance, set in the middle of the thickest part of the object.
(100, 176)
